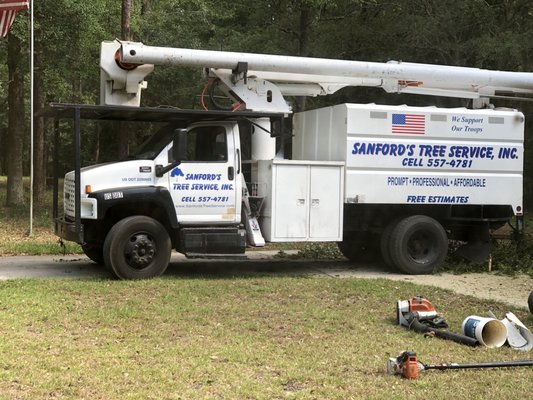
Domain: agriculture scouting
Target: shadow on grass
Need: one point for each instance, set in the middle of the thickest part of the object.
(228, 269)
(180, 267)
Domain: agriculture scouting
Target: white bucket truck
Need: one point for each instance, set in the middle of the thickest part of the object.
(397, 179)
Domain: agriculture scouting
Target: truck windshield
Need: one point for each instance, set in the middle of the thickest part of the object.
(155, 143)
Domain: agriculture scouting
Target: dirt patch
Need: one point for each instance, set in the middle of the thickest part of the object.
(510, 290)
(513, 290)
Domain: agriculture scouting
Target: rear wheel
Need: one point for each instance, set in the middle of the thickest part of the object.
(385, 243)
(358, 248)
(418, 244)
(137, 247)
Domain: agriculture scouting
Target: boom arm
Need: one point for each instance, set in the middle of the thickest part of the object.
(261, 80)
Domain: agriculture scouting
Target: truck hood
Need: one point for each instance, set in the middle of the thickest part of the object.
(117, 174)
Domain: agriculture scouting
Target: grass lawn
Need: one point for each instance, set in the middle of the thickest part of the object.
(238, 337)
(15, 224)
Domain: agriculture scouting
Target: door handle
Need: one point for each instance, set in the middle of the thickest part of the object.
(231, 173)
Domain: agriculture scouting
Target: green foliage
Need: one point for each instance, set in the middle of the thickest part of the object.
(69, 33)
(508, 257)
(514, 257)
(15, 222)
(36, 248)
(319, 251)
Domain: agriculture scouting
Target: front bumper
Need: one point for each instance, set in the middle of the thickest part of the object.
(67, 230)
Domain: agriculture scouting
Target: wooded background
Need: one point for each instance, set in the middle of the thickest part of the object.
(490, 34)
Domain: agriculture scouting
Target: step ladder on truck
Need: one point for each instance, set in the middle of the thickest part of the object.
(399, 180)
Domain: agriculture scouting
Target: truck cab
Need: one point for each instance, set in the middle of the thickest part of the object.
(183, 190)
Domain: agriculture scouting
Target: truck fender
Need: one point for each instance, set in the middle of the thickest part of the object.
(136, 196)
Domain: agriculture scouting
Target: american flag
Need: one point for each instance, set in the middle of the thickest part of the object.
(8, 10)
(409, 123)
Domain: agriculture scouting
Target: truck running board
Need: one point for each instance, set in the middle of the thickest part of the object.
(225, 257)
(212, 242)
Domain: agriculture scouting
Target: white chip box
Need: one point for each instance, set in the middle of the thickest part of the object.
(303, 200)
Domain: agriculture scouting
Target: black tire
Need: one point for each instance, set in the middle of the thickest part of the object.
(137, 247)
(385, 242)
(530, 302)
(418, 244)
(358, 249)
(94, 252)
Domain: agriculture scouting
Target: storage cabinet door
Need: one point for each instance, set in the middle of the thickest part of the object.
(325, 203)
(291, 201)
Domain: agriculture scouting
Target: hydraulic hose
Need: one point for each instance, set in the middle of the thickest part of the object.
(417, 326)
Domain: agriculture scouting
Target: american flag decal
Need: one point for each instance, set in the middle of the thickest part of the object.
(409, 124)
(8, 10)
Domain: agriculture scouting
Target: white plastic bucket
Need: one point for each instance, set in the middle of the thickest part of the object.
(489, 332)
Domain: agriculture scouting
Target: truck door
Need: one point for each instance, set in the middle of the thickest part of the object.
(206, 189)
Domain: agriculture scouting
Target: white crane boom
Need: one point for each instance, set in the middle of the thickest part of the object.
(289, 75)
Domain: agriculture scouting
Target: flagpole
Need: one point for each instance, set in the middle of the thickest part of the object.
(32, 84)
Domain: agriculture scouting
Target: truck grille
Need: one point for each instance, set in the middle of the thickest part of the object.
(69, 196)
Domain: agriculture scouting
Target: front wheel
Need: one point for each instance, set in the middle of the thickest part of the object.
(418, 244)
(137, 247)
(94, 251)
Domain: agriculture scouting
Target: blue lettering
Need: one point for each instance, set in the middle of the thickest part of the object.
(397, 181)
(508, 153)
(384, 149)
(412, 162)
(428, 150)
(471, 121)
(448, 199)
(471, 152)
(204, 186)
(416, 199)
(203, 177)
(181, 186)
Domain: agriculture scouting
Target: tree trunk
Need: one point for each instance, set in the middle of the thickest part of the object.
(15, 130)
(127, 6)
(123, 131)
(39, 164)
(145, 7)
(98, 130)
(303, 42)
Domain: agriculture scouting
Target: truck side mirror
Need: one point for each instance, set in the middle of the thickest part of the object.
(179, 145)
(178, 153)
